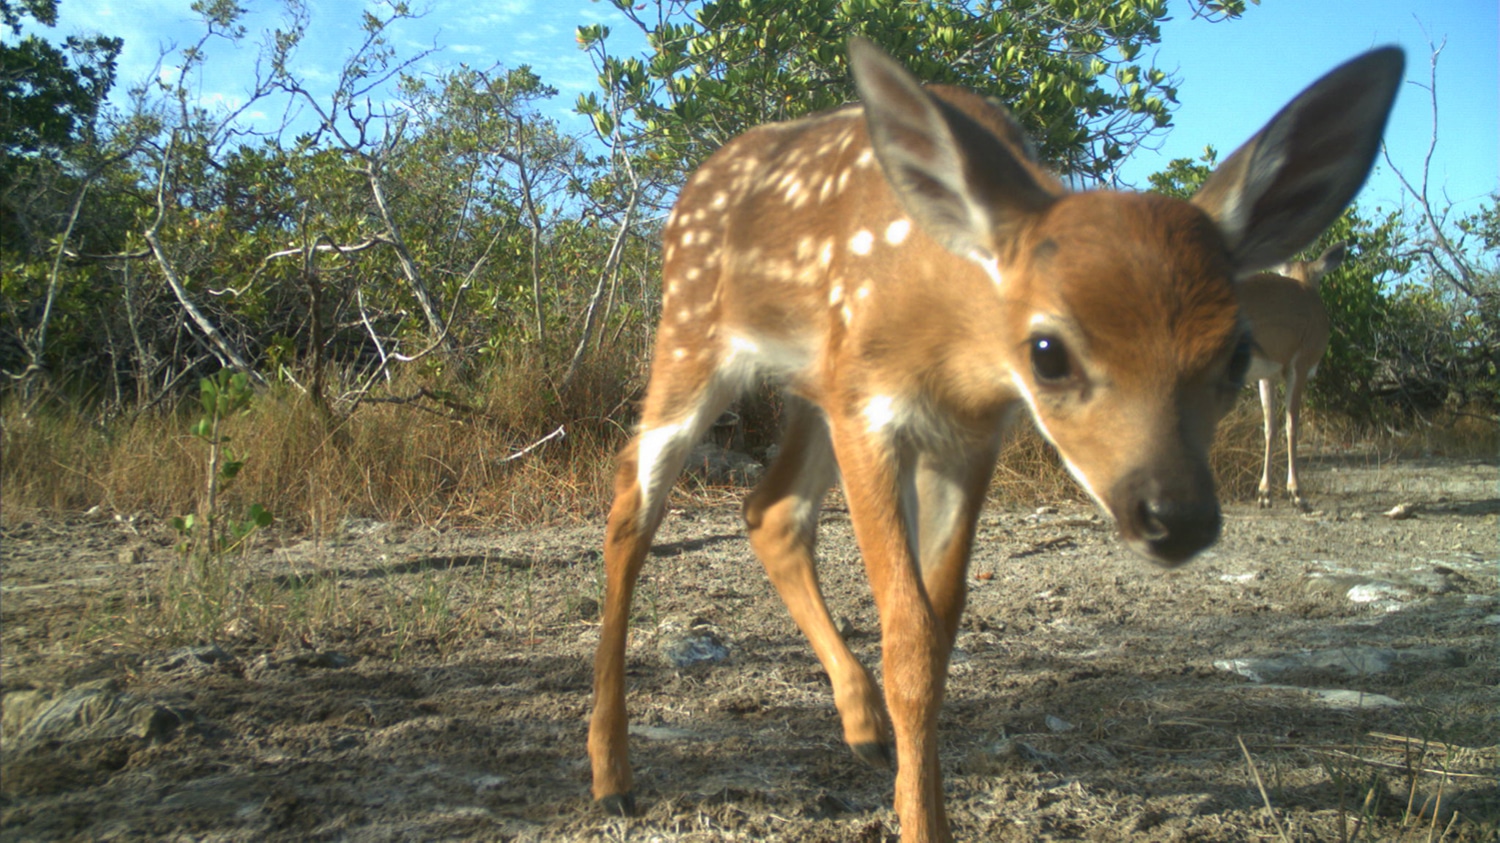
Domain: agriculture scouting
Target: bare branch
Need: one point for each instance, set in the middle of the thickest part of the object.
(611, 263)
(227, 354)
(559, 433)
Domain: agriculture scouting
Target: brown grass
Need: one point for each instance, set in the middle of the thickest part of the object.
(442, 460)
(428, 460)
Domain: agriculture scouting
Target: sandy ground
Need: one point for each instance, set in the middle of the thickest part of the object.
(1093, 696)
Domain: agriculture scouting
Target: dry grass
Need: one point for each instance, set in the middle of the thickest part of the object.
(442, 461)
(427, 461)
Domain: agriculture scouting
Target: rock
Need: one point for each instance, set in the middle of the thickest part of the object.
(19, 707)
(1391, 590)
(1381, 595)
(1057, 724)
(265, 663)
(194, 659)
(354, 526)
(1242, 578)
(847, 630)
(1335, 698)
(1401, 512)
(686, 642)
(1007, 755)
(586, 609)
(91, 711)
(1344, 661)
(660, 733)
(1341, 699)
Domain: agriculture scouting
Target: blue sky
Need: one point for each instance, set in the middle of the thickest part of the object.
(1234, 75)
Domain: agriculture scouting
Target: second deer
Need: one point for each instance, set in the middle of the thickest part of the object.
(1289, 331)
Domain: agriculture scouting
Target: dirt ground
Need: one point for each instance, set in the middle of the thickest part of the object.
(1084, 702)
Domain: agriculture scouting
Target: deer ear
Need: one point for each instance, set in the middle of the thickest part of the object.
(1331, 258)
(1276, 193)
(961, 184)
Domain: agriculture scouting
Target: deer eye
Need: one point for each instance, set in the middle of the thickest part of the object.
(1049, 359)
(1239, 362)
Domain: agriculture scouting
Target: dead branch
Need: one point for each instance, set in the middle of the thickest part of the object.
(227, 353)
(559, 433)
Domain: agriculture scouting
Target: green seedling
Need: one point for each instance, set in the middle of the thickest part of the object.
(221, 396)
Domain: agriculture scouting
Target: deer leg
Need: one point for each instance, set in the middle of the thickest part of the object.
(1295, 384)
(782, 516)
(950, 495)
(648, 467)
(1268, 410)
(880, 484)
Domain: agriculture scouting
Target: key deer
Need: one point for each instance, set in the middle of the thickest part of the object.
(1289, 334)
(917, 280)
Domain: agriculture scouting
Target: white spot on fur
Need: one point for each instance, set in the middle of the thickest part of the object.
(825, 255)
(652, 453)
(990, 265)
(835, 294)
(880, 413)
(861, 242)
(865, 159)
(896, 232)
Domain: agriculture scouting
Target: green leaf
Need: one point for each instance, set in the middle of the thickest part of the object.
(260, 515)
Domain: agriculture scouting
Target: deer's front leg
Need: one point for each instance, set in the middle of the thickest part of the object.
(1268, 410)
(1296, 382)
(950, 494)
(879, 481)
(782, 515)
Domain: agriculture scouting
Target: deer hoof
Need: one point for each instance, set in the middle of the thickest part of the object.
(1264, 500)
(618, 804)
(876, 754)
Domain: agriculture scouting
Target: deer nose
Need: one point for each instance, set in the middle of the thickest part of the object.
(1168, 523)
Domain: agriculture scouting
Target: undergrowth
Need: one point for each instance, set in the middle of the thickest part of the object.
(439, 457)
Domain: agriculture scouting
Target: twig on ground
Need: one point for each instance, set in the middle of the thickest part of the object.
(1281, 832)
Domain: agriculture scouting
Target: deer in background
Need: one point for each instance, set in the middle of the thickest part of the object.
(917, 281)
(1289, 332)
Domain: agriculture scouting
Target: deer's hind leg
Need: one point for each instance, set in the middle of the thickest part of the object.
(681, 402)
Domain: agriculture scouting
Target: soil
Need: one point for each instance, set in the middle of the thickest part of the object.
(1084, 701)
